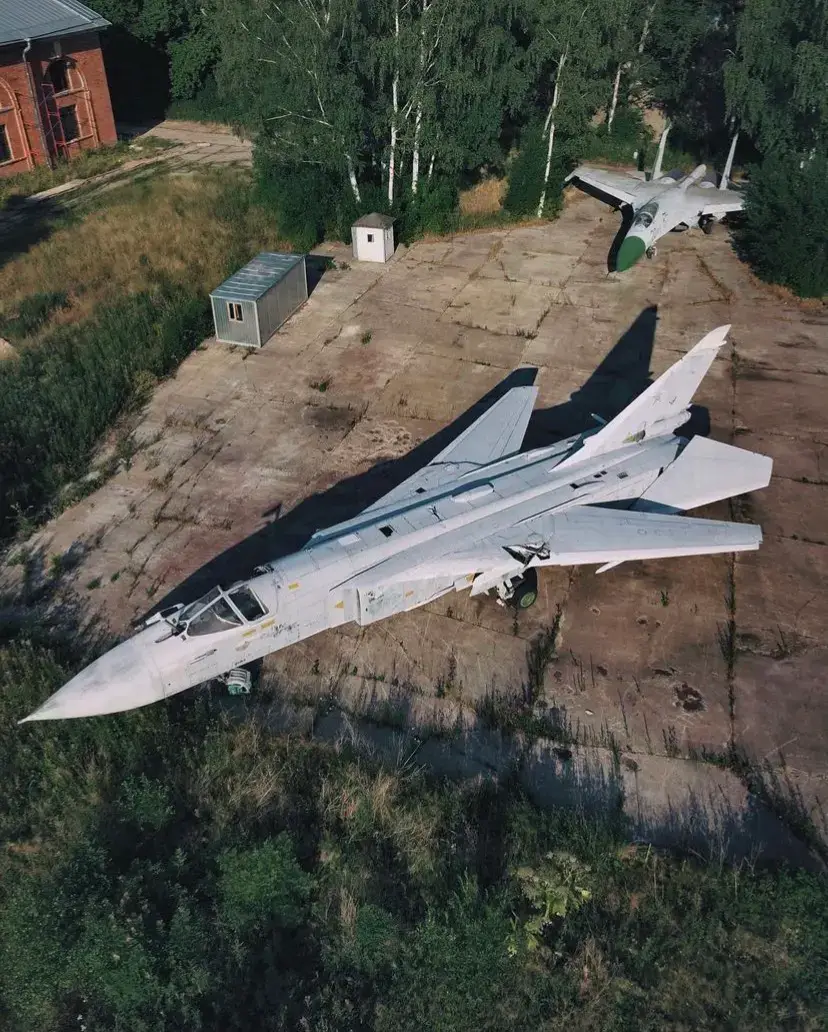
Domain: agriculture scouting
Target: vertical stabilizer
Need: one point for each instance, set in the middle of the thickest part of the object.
(662, 408)
(729, 163)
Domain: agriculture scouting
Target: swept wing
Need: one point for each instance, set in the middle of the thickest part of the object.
(619, 185)
(497, 433)
(580, 535)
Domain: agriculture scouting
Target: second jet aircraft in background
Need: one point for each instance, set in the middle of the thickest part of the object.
(661, 204)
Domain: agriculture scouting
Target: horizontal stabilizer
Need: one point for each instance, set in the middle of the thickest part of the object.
(706, 471)
(662, 407)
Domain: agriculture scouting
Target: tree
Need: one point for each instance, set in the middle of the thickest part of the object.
(293, 66)
(682, 68)
(777, 81)
(167, 45)
(568, 53)
(630, 37)
(784, 234)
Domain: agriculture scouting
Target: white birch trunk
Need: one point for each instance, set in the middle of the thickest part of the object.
(352, 178)
(415, 157)
(431, 165)
(614, 102)
(418, 118)
(550, 128)
(394, 104)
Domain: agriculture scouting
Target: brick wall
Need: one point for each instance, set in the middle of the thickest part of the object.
(23, 120)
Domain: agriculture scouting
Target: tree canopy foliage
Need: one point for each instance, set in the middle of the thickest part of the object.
(395, 104)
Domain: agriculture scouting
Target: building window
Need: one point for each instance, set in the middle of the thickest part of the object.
(370, 238)
(69, 121)
(58, 75)
(5, 149)
(235, 312)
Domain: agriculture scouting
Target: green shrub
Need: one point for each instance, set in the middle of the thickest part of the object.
(527, 169)
(784, 230)
(525, 173)
(306, 199)
(434, 209)
(262, 886)
(56, 400)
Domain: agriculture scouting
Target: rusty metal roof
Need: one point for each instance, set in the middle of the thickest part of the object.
(21, 20)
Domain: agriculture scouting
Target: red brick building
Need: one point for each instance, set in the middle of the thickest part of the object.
(54, 97)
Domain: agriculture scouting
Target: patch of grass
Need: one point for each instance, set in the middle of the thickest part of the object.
(366, 337)
(154, 231)
(320, 385)
(485, 198)
(33, 313)
(94, 583)
(87, 164)
(58, 399)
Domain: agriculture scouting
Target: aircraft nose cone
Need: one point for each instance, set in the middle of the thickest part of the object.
(122, 679)
(629, 253)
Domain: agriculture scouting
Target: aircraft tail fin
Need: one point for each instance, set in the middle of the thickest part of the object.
(663, 406)
(729, 163)
(696, 176)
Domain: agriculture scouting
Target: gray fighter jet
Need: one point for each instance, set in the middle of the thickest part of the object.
(661, 204)
(481, 516)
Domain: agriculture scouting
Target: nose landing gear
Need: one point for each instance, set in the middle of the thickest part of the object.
(651, 251)
(519, 592)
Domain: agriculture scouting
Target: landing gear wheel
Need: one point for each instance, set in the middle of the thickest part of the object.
(707, 227)
(526, 593)
(652, 251)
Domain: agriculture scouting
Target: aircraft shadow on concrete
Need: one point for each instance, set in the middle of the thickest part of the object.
(620, 377)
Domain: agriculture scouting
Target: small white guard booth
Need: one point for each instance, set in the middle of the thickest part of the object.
(372, 237)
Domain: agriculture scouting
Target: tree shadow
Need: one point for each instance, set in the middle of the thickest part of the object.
(25, 223)
(590, 778)
(620, 377)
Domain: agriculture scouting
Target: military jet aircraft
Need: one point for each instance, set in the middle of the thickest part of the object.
(482, 516)
(664, 203)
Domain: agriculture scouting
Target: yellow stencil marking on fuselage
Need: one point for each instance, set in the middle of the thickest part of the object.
(267, 623)
(293, 586)
(339, 605)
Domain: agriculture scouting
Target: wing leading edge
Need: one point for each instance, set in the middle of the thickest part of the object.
(618, 185)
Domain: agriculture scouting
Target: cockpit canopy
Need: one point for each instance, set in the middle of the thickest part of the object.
(644, 217)
(220, 611)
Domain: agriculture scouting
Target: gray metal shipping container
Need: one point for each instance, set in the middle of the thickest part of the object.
(250, 306)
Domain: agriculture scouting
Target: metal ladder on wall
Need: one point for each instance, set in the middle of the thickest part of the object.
(50, 120)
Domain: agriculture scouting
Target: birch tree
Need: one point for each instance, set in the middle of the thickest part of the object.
(570, 52)
(777, 80)
(293, 64)
(630, 39)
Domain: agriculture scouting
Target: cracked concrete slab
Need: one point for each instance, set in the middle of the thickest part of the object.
(239, 455)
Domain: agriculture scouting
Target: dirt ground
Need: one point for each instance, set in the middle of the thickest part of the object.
(244, 453)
